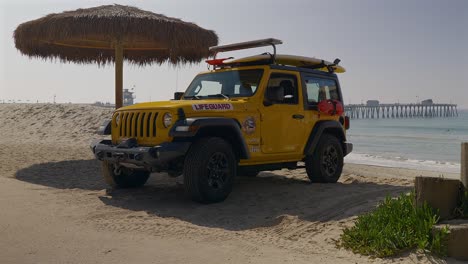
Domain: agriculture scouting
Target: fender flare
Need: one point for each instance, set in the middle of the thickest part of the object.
(105, 127)
(200, 126)
(317, 132)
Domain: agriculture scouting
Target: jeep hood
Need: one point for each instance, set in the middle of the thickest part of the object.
(189, 105)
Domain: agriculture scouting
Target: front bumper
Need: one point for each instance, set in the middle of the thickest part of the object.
(151, 158)
(349, 148)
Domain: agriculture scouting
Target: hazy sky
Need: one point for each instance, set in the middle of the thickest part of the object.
(398, 50)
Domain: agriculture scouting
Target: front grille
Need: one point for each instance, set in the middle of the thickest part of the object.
(135, 124)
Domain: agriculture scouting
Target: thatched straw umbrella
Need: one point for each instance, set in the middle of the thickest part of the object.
(111, 33)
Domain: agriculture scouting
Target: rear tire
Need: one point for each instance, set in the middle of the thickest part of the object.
(128, 178)
(326, 163)
(209, 169)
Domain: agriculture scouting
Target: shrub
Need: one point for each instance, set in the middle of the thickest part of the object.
(396, 225)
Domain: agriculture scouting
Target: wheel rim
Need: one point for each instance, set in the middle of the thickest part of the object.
(218, 170)
(330, 160)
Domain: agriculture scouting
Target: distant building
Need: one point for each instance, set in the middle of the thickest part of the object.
(372, 103)
(128, 97)
(427, 102)
(102, 104)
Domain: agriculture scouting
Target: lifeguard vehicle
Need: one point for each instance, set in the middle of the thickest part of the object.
(242, 116)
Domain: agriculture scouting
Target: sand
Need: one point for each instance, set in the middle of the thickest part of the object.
(55, 208)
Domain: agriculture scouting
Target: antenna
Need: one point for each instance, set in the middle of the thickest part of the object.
(177, 79)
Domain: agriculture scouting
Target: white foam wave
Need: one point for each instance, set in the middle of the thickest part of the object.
(399, 162)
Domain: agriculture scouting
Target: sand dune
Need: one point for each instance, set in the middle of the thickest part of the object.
(56, 208)
(51, 122)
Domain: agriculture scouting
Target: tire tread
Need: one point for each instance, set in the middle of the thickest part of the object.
(312, 162)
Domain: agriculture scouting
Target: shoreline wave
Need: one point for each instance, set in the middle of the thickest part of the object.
(399, 162)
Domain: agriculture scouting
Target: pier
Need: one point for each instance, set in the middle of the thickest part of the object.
(421, 110)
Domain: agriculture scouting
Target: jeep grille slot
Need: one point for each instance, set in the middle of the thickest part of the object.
(122, 124)
(140, 125)
(155, 124)
(142, 122)
(135, 124)
(128, 125)
(148, 122)
(119, 122)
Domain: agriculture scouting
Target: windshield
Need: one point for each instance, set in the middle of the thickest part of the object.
(224, 84)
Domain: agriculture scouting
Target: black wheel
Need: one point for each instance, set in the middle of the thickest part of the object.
(127, 178)
(242, 172)
(209, 169)
(326, 163)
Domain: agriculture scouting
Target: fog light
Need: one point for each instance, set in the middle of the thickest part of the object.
(154, 152)
(182, 128)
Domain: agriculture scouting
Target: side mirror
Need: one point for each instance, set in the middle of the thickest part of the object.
(178, 95)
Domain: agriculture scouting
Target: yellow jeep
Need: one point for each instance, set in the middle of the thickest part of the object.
(264, 112)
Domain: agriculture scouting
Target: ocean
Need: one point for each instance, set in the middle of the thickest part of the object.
(415, 143)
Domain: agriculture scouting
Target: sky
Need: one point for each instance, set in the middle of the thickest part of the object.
(394, 51)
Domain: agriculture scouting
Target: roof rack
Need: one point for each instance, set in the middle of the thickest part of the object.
(247, 45)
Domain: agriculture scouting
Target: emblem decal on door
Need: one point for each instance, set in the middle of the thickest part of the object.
(248, 126)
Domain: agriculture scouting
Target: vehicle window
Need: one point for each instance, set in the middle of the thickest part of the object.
(238, 88)
(220, 84)
(286, 82)
(319, 89)
(209, 87)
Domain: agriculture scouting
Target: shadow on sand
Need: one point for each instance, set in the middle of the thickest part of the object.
(69, 174)
(254, 202)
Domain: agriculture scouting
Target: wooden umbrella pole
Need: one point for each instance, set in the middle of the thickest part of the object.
(118, 74)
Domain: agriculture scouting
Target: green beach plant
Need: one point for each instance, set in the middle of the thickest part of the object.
(396, 225)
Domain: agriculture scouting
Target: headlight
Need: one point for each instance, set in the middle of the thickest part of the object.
(167, 120)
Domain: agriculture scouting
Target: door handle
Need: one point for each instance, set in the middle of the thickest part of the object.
(296, 116)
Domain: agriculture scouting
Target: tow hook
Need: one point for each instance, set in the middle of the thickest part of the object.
(117, 170)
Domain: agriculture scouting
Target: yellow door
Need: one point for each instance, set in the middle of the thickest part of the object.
(282, 115)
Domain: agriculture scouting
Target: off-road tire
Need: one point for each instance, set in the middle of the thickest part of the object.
(326, 163)
(128, 178)
(209, 169)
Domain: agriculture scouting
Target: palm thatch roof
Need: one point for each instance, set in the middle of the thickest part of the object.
(90, 36)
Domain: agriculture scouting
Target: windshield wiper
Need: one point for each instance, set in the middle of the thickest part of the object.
(223, 95)
(192, 97)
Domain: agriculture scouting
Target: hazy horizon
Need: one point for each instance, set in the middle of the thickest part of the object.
(394, 51)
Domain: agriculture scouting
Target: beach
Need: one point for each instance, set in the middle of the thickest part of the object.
(57, 209)
(415, 143)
